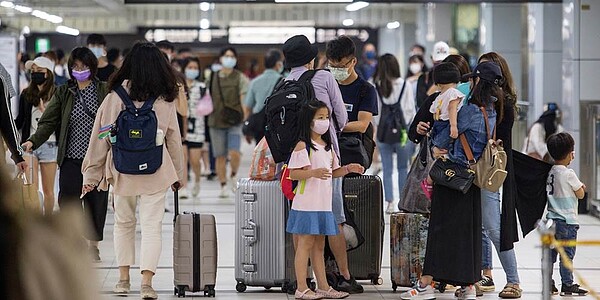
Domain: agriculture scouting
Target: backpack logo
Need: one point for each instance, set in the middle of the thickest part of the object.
(135, 133)
(291, 96)
(143, 167)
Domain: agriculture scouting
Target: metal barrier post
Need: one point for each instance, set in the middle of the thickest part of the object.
(546, 230)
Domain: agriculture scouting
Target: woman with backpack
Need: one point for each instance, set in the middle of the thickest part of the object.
(397, 105)
(70, 113)
(145, 76)
(32, 104)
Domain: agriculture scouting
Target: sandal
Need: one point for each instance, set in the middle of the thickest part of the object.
(306, 296)
(332, 294)
(511, 291)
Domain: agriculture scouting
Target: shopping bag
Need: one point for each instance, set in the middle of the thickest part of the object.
(263, 165)
(27, 194)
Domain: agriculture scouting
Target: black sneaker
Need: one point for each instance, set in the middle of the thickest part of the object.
(554, 289)
(349, 286)
(95, 254)
(573, 289)
(486, 284)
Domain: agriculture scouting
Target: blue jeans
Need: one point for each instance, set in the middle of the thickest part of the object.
(565, 231)
(387, 161)
(490, 211)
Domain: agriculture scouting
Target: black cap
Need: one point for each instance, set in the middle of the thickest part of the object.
(298, 51)
(488, 71)
(445, 72)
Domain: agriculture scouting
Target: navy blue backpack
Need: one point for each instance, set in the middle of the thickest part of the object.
(135, 149)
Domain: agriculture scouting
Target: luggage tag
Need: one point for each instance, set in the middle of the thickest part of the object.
(160, 137)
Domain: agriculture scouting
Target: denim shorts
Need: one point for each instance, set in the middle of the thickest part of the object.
(46, 153)
(225, 139)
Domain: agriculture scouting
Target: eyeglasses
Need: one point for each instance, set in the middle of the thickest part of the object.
(329, 65)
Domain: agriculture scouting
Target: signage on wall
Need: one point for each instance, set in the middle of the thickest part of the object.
(42, 45)
(185, 35)
(268, 35)
(334, 1)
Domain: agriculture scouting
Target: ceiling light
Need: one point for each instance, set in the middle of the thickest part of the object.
(357, 6)
(204, 6)
(54, 19)
(67, 30)
(7, 4)
(23, 9)
(204, 24)
(348, 22)
(312, 1)
(26, 30)
(393, 25)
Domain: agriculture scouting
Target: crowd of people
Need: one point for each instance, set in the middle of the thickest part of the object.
(66, 113)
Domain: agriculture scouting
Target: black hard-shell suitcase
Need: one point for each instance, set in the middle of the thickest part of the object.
(364, 197)
(194, 252)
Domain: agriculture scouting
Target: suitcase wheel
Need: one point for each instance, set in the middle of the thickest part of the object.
(240, 287)
(440, 286)
(377, 281)
(180, 291)
(210, 291)
(394, 286)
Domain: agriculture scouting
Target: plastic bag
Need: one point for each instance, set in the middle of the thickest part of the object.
(263, 165)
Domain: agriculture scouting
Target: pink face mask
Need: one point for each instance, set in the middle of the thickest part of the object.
(320, 126)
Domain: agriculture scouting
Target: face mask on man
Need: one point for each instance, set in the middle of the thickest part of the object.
(228, 62)
(216, 67)
(371, 55)
(340, 74)
(38, 77)
(415, 68)
(98, 51)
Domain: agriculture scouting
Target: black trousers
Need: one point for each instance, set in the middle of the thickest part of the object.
(94, 203)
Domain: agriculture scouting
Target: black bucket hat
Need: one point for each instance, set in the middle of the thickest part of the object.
(298, 51)
(488, 71)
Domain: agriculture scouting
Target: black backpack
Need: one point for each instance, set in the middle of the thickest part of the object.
(391, 121)
(135, 149)
(281, 114)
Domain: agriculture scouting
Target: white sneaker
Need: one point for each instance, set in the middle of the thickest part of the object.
(196, 189)
(224, 192)
(419, 293)
(467, 293)
(391, 208)
(183, 193)
(233, 183)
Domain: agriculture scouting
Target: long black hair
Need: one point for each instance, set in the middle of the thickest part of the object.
(387, 71)
(484, 93)
(550, 119)
(148, 72)
(305, 119)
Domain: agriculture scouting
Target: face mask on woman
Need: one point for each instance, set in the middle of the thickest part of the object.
(228, 62)
(191, 73)
(82, 75)
(38, 77)
(320, 126)
(415, 68)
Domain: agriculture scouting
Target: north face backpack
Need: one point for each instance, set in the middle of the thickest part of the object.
(134, 144)
(281, 114)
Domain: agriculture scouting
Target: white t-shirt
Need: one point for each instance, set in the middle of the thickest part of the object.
(36, 115)
(439, 107)
(562, 201)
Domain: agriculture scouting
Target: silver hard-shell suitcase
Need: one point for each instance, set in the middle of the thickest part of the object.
(194, 252)
(263, 250)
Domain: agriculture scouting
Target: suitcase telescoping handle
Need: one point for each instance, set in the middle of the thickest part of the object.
(176, 199)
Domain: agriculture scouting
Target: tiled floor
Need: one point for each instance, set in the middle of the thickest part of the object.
(587, 260)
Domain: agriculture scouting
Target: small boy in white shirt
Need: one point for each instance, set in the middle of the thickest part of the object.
(564, 190)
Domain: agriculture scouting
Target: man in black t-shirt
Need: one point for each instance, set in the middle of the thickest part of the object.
(97, 43)
(360, 98)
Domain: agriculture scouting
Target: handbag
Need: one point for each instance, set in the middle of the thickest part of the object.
(490, 169)
(412, 197)
(204, 107)
(230, 115)
(27, 194)
(452, 175)
(391, 126)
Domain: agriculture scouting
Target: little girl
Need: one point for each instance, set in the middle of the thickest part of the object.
(311, 217)
(445, 109)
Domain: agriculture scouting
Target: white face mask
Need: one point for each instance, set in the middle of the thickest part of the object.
(340, 74)
(98, 51)
(415, 68)
(228, 62)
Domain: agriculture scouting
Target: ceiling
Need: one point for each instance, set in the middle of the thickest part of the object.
(113, 16)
